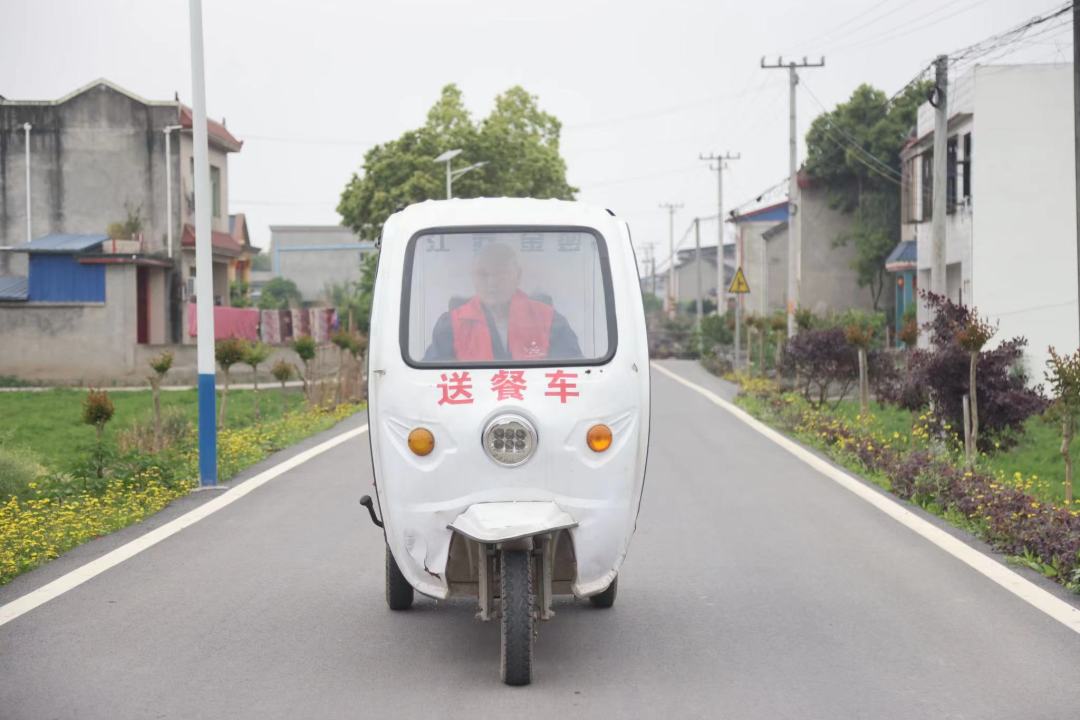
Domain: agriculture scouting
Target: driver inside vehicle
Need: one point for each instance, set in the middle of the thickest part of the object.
(500, 322)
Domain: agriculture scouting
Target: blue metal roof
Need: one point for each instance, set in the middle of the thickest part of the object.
(62, 243)
(904, 255)
(13, 287)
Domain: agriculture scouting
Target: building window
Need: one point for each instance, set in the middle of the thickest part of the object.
(967, 167)
(926, 184)
(215, 189)
(950, 175)
(909, 207)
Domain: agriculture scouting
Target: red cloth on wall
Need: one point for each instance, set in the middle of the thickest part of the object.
(228, 322)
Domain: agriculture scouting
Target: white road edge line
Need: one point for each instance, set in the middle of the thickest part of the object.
(24, 604)
(1022, 588)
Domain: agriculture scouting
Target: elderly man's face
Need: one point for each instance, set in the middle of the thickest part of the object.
(496, 275)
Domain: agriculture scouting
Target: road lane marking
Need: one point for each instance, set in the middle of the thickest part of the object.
(71, 580)
(1022, 588)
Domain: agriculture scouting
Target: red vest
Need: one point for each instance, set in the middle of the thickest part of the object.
(529, 330)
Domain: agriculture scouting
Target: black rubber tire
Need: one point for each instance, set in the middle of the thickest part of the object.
(607, 598)
(399, 593)
(517, 601)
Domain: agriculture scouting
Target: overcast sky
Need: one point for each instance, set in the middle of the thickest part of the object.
(641, 87)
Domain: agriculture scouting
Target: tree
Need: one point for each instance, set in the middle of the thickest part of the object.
(345, 341)
(304, 346)
(255, 354)
(972, 337)
(228, 352)
(860, 329)
(1063, 374)
(239, 296)
(283, 371)
(279, 294)
(161, 365)
(97, 411)
(518, 141)
(854, 150)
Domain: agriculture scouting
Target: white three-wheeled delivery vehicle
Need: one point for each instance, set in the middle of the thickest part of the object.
(509, 407)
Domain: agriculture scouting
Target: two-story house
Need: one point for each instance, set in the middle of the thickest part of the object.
(1010, 230)
(104, 163)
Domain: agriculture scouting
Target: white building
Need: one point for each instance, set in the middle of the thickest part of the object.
(1011, 199)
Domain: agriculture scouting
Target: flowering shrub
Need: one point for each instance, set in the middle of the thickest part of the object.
(67, 511)
(943, 375)
(1001, 510)
(822, 362)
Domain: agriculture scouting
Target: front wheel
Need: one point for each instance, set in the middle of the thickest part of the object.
(607, 598)
(399, 593)
(516, 599)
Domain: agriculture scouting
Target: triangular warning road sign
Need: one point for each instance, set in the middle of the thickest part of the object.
(739, 285)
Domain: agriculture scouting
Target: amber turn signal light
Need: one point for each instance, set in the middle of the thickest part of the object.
(421, 441)
(598, 438)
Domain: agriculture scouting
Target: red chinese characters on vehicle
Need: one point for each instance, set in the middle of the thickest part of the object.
(508, 384)
(456, 388)
(559, 385)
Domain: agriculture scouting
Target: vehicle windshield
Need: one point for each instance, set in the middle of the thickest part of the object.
(507, 298)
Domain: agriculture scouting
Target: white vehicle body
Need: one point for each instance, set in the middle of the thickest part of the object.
(458, 487)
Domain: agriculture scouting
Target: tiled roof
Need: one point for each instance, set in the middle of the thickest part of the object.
(903, 257)
(223, 242)
(213, 127)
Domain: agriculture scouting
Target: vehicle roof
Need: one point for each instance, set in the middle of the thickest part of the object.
(497, 211)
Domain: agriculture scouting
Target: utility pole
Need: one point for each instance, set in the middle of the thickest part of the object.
(671, 208)
(1076, 136)
(721, 290)
(940, 101)
(794, 234)
(697, 264)
(204, 266)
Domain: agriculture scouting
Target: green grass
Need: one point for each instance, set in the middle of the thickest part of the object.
(887, 418)
(1038, 453)
(48, 425)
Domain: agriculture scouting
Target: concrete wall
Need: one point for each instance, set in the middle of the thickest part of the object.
(829, 282)
(686, 281)
(1024, 241)
(218, 159)
(749, 245)
(296, 256)
(89, 156)
(77, 341)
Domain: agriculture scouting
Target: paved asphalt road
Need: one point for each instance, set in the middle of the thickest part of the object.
(754, 588)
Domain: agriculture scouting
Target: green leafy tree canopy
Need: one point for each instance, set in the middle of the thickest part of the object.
(854, 150)
(279, 294)
(518, 141)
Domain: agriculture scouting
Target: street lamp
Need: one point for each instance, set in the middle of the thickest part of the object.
(451, 174)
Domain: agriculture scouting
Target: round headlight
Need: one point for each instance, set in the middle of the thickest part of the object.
(509, 440)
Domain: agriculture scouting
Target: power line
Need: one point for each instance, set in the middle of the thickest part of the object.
(854, 144)
(913, 26)
(976, 50)
(814, 41)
